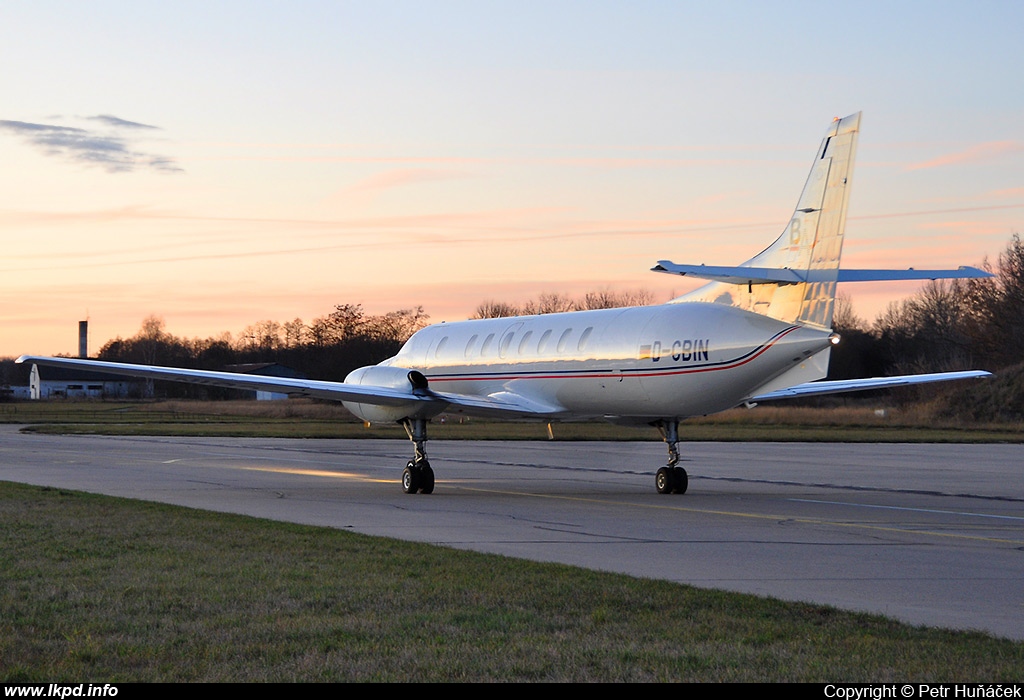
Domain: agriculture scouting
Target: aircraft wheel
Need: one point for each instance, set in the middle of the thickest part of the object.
(411, 479)
(426, 478)
(664, 480)
(680, 480)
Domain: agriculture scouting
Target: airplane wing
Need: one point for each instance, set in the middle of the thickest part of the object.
(846, 385)
(503, 404)
(499, 405)
(784, 275)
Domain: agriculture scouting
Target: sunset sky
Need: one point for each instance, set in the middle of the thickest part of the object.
(222, 163)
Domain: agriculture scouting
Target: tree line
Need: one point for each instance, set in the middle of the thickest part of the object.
(328, 348)
(948, 325)
(554, 303)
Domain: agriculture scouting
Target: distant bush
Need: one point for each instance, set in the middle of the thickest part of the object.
(999, 399)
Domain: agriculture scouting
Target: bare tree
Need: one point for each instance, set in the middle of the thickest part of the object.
(396, 326)
(344, 322)
(636, 297)
(495, 309)
(553, 303)
(550, 303)
(152, 338)
(294, 333)
(844, 318)
(601, 299)
(929, 331)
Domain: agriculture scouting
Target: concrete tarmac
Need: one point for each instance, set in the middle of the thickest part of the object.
(928, 534)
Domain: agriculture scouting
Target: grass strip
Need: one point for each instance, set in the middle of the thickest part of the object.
(307, 419)
(101, 588)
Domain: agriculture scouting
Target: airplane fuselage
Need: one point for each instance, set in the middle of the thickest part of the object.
(633, 364)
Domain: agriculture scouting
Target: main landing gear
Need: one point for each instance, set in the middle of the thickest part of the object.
(417, 477)
(671, 478)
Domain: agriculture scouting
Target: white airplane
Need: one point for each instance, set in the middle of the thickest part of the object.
(758, 331)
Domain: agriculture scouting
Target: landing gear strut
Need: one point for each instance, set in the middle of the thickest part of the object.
(417, 476)
(670, 478)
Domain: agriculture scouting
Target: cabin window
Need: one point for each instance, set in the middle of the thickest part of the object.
(563, 339)
(471, 344)
(584, 338)
(543, 343)
(505, 342)
(485, 349)
(523, 343)
(440, 347)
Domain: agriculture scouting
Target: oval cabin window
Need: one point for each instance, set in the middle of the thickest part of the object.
(584, 338)
(506, 340)
(563, 339)
(542, 344)
(485, 349)
(524, 343)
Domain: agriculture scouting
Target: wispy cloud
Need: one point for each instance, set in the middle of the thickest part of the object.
(1009, 192)
(977, 153)
(110, 144)
(401, 178)
(111, 120)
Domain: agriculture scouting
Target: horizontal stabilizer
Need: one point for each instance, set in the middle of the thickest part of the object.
(784, 275)
(846, 385)
(962, 273)
(733, 275)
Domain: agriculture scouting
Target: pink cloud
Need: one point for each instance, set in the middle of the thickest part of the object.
(978, 152)
(401, 178)
(1009, 192)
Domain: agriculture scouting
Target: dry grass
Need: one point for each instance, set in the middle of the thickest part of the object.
(293, 408)
(835, 422)
(927, 414)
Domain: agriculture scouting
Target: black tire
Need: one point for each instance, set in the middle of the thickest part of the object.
(664, 480)
(680, 480)
(411, 479)
(426, 478)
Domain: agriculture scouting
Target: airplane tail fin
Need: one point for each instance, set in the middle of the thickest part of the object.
(794, 279)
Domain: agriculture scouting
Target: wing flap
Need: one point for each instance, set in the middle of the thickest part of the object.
(503, 404)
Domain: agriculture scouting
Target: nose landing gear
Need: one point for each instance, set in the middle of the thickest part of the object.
(417, 477)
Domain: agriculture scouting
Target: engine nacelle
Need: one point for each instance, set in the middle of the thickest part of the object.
(404, 380)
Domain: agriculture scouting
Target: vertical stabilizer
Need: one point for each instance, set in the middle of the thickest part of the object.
(810, 246)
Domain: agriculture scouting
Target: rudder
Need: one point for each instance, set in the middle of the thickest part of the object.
(810, 246)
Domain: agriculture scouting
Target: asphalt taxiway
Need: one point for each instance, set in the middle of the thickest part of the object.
(928, 534)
